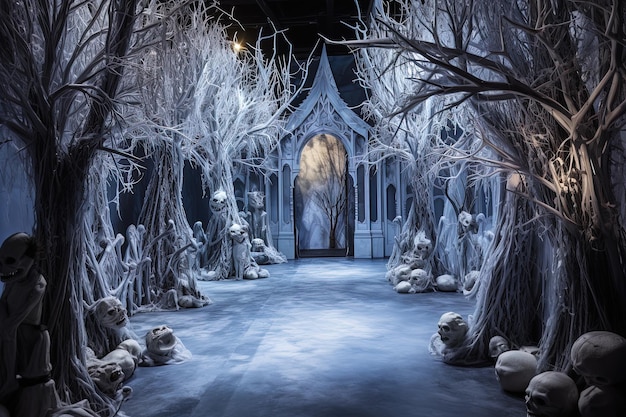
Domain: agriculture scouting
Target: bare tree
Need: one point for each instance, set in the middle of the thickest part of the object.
(62, 65)
(328, 188)
(556, 68)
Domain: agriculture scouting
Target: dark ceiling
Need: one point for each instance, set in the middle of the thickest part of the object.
(301, 20)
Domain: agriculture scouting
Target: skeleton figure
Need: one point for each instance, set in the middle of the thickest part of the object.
(421, 281)
(110, 313)
(551, 394)
(163, 347)
(24, 341)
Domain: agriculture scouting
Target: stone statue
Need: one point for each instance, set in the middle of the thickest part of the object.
(257, 216)
(243, 264)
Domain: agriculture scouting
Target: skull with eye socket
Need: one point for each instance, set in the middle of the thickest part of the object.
(160, 341)
(218, 202)
(17, 256)
(551, 394)
(108, 377)
(452, 329)
(110, 313)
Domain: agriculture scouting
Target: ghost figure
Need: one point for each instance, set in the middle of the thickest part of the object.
(24, 341)
(514, 370)
(551, 394)
(110, 313)
(497, 346)
(163, 347)
(600, 357)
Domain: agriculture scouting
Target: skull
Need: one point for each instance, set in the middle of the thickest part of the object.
(218, 202)
(551, 394)
(420, 280)
(600, 357)
(467, 222)
(422, 246)
(452, 329)
(238, 233)
(497, 346)
(607, 401)
(258, 245)
(110, 313)
(514, 370)
(17, 256)
(109, 377)
(160, 341)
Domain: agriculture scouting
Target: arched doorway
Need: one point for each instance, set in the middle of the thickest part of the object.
(321, 197)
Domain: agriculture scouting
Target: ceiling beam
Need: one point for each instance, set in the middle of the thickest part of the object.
(271, 16)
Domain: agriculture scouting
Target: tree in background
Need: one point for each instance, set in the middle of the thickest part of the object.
(546, 82)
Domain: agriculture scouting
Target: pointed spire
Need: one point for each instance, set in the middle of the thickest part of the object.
(324, 79)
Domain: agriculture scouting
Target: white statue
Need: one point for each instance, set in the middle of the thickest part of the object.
(514, 370)
(243, 264)
(551, 394)
(110, 313)
(257, 215)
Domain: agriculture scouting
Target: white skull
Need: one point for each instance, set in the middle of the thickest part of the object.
(238, 233)
(17, 256)
(258, 245)
(161, 341)
(452, 329)
(497, 346)
(514, 370)
(551, 394)
(110, 313)
(600, 357)
(420, 280)
(465, 219)
(422, 246)
(109, 377)
(607, 401)
(218, 202)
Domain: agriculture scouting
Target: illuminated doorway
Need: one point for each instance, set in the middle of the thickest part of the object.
(321, 198)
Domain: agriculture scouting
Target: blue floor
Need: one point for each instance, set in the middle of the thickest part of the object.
(325, 337)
